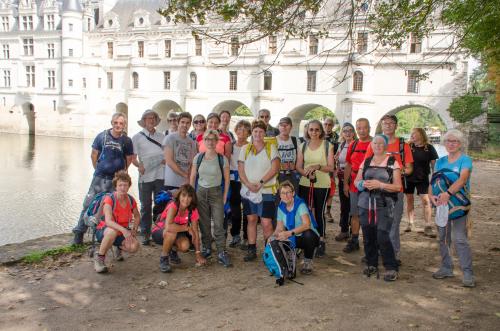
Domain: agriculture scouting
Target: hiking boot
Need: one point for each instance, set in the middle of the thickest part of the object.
(174, 257)
(391, 275)
(409, 227)
(206, 253)
(251, 255)
(307, 267)
(320, 250)
(118, 253)
(99, 265)
(235, 241)
(146, 242)
(78, 238)
(442, 273)
(370, 270)
(364, 259)
(244, 245)
(164, 264)
(468, 281)
(428, 232)
(342, 236)
(352, 245)
(224, 259)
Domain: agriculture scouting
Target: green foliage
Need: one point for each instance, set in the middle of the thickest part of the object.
(417, 117)
(491, 152)
(465, 108)
(39, 256)
(319, 113)
(243, 111)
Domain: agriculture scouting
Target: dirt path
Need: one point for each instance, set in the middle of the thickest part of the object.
(68, 295)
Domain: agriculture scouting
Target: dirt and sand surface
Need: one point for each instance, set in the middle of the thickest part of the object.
(66, 293)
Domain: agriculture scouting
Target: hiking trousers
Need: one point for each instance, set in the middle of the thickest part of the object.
(98, 185)
(211, 208)
(320, 196)
(147, 191)
(455, 230)
(308, 241)
(345, 208)
(398, 214)
(236, 216)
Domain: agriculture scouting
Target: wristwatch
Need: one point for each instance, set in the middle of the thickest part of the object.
(293, 233)
(261, 181)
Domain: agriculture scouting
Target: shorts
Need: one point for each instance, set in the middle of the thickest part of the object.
(265, 209)
(157, 236)
(99, 235)
(422, 187)
(353, 201)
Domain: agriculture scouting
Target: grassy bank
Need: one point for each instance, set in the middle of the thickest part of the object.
(491, 152)
(39, 256)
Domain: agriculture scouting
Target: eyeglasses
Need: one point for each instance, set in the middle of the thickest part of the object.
(453, 142)
(348, 130)
(199, 122)
(264, 116)
(172, 120)
(327, 124)
(391, 123)
(286, 192)
(314, 130)
(210, 139)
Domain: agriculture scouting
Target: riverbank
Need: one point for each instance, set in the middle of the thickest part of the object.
(65, 292)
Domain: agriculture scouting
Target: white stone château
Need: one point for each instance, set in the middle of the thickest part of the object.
(66, 66)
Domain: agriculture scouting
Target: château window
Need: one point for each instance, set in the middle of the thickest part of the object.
(6, 51)
(313, 45)
(51, 76)
(140, 46)
(110, 49)
(235, 46)
(166, 80)
(233, 80)
(6, 79)
(412, 85)
(168, 48)
(268, 80)
(50, 51)
(415, 44)
(193, 81)
(357, 81)
(311, 81)
(362, 42)
(50, 22)
(28, 23)
(135, 80)
(70, 52)
(273, 44)
(28, 46)
(110, 80)
(30, 76)
(198, 46)
(5, 23)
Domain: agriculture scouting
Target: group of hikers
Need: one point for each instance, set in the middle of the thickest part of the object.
(225, 183)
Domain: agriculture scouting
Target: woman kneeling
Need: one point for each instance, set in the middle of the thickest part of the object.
(181, 223)
(119, 210)
(379, 177)
(294, 223)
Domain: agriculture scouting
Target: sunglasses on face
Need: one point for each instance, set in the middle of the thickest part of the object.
(314, 130)
(265, 116)
(199, 122)
(348, 131)
(172, 120)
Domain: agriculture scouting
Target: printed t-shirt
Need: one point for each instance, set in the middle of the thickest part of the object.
(209, 173)
(301, 210)
(257, 165)
(219, 148)
(112, 153)
(316, 157)
(122, 214)
(355, 158)
(180, 218)
(184, 150)
(463, 162)
(287, 152)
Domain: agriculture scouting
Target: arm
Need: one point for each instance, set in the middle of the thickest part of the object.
(169, 161)
(193, 174)
(300, 162)
(94, 156)
(228, 150)
(110, 222)
(306, 225)
(408, 168)
(455, 187)
(129, 159)
(138, 164)
(433, 163)
(347, 177)
(395, 186)
(330, 167)
(200, 260)
(275, 167)
(137, 221)
(226, 183)
(254, 187)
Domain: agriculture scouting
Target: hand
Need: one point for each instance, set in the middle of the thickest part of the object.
(254, 187)
(200, 260)
(283, 235)
(134, 232)
(434, 200)
(309, 170)
(443, 198)
(127, 233)
(224, 198)
(371, 184)
(346, 189)
(142, 170)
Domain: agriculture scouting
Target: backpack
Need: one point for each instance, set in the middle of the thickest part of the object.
(162, 198)
(390, 171)
(459, 203)
(94, 214)
(280, 259)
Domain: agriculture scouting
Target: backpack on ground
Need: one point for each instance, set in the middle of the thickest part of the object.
(95, 211)
(161, 200)
(280, 259)
(459, 204)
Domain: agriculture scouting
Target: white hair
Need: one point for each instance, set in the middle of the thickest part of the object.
(455, 134)
(119, 114)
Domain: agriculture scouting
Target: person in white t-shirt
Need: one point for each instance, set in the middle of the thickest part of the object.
(287, 149)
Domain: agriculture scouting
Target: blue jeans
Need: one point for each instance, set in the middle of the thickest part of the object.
(147, 191)
(97, 185)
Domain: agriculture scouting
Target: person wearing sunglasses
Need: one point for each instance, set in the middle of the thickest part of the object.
(265, 115)
(199, 126)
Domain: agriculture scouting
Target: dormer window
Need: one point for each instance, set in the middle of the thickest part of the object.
(110, 23)
(141, 21)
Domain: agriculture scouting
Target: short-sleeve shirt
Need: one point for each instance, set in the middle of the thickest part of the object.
(287, 151)
(422, 157)
(463, 162)
(180, 218)
(121, 214)
(150, 155)
(209, 173)
(301, 210)
(355, 156)
(219, 148)
(184, 150)
(112, 153)
(258, 164)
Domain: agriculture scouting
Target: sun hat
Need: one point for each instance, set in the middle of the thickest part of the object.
(148, 112)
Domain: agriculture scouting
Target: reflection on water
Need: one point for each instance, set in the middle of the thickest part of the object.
(44, 181)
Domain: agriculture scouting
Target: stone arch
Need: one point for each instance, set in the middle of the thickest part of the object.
(122, 107)
(229, 105)
(298, 114)
(443, 116)
(29, 111)
(163, 107)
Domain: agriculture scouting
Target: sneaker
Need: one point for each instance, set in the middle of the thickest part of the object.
(364, 259)
(352, 245)
(244, 245)
(307, 267)
(370, 270)
(442, 273)
(206, 253)
(99, 265)
(78, 238)
(174, 257)
(250, 256)
(164, 264)
(235, 241)
(146, 242)
(409, 227)
(118, 253)
(391, 275)
(342, 236)
(224, 259)
(428, 232)
(328, 216)
(468, 281)
(320, 250)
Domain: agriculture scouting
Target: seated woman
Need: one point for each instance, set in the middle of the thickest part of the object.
(294, 223)
(119, 211)
(181, 223)
(378, 179)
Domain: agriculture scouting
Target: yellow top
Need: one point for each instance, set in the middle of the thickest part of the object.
(316, 157)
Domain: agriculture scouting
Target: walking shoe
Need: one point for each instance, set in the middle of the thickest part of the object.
(146, 242)
(118, 253)
(342, 236)
(428, 232)
(370, 270)
(328, 215)
(320, 250)
(174, 257)
(442, 273)
(251, 255)
(391, 275)
(164, 264)
(352, 245)
(409, 227)
(244, 245)
(307, 267)
(224, 259)
(468, 281)
(206, 253)
(235, 241)
(364, 259)
(78, 238)
(99, 265)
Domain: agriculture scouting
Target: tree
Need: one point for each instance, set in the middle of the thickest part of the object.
(243, 111)
(319, 113)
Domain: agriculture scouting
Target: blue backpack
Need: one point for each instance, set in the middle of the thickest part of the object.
(459, 203)
(290, 216)
(94, 213)
(280, 259)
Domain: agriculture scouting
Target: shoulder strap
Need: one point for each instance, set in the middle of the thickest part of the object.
(248, 149)
(402, 150)
(327, 149)
(190, 215)
(294, 142)
(353, 146)
(268, 147)
(199, 160)
(221, 164)
(151, 140)
(366, 164)
(390, 169)
(304, 146)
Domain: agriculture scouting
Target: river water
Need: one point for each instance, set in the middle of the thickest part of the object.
(43, 183)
